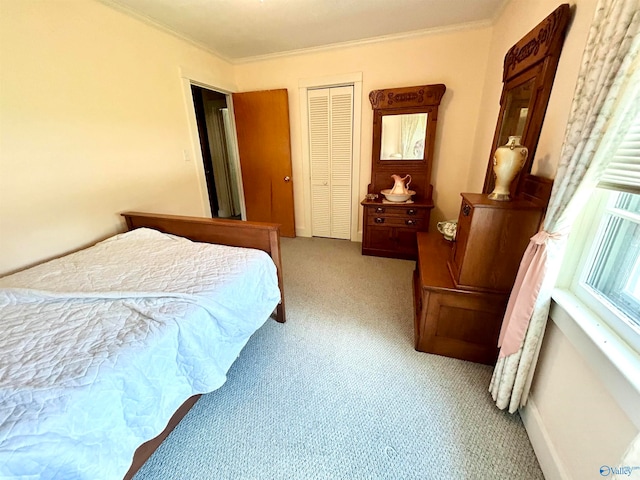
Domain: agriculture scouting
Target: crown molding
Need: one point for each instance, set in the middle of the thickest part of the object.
(114, 4)
(160, 26)
(367, 41)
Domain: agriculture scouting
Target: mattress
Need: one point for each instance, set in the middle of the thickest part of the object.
(100, 347)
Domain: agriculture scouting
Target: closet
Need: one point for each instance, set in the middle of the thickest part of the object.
(331, 155)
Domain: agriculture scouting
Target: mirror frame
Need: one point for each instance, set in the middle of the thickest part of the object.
(535, 57)
(397, 101)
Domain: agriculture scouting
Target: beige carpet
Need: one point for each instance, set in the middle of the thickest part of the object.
(338, 392)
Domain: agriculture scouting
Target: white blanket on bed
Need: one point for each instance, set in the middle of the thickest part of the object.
(99, 348)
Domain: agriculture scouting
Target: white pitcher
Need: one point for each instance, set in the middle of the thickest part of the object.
(399, 187)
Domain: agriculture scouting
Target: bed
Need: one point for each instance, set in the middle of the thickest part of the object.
(103, 351)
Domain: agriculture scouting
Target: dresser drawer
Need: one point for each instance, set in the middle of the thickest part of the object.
(405, 211)
(396, 221)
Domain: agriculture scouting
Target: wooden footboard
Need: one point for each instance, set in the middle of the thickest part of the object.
(263, 236)
(145, 450)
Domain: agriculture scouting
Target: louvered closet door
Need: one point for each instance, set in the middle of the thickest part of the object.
(331, 149)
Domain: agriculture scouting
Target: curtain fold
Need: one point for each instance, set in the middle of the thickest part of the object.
(606, 99)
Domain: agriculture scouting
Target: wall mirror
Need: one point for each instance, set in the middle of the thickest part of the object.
(529, 69)
(404, 125)
(516, 111)
(403, 136)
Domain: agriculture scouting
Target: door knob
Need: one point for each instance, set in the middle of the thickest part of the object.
(287, 178)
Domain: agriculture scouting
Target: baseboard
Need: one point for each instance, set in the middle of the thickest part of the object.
(548, 458)
(303, 232)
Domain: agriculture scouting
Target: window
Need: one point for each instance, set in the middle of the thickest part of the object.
(607, 278)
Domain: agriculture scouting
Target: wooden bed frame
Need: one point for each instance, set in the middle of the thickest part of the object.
(262, 236)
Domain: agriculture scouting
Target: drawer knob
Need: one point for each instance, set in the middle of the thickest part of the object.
(379, 210)
(412, 211)
(410, 222)
(379, 220)
(466, 210)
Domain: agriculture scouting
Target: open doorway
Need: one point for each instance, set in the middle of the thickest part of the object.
(218, 152)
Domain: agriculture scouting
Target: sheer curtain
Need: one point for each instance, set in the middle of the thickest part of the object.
(606, 99)
(413, 128)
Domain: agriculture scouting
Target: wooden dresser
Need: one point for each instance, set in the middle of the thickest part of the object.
(390, 229)
(461, 288)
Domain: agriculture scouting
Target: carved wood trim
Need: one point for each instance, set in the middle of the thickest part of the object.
(544, 40)
(407, 97)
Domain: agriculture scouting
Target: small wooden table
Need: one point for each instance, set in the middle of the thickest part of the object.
(450, 321)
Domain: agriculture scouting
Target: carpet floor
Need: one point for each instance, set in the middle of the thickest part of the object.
(338, 392)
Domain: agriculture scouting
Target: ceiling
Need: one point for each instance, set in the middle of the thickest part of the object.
(242, 29)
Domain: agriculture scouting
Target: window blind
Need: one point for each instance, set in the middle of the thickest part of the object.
(623, 172)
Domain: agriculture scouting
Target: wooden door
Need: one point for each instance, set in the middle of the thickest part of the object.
(262, 126)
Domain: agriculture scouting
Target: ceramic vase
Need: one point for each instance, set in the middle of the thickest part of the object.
(508, 160)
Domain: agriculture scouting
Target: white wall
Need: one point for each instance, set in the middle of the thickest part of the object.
(93, 122)
(583, 425)
(455, 58)
(574, 423)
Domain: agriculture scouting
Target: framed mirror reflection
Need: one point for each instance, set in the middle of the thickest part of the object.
(528, 74)
(404, 125)
(516, 111)
(403, 136)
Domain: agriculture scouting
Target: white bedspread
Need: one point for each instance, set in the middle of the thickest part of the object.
(99, 348)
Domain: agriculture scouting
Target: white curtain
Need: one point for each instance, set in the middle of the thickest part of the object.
(413, 128)
(606, 99)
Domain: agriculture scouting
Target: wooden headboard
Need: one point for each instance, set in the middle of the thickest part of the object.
(236, 233)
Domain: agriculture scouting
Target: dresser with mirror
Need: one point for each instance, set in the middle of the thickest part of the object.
(461, 287)
(404, 128)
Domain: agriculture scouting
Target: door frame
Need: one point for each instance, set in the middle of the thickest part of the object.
(190, 77)
(344, 80)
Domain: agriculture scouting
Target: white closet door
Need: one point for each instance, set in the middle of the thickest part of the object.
(331, 151)
(341, 153)
(319, 157)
